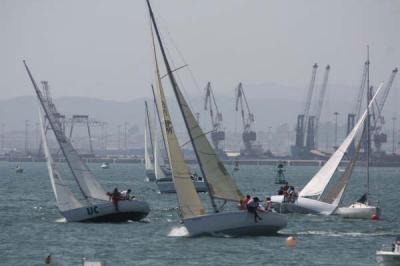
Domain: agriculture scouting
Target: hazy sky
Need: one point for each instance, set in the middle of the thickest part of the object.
(101, 48)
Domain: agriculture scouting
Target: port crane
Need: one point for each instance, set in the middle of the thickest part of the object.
(321, 101)
(217, 133)
(249, 136)
(306, 123)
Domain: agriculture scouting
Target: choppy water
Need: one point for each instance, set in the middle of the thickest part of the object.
(31, 227)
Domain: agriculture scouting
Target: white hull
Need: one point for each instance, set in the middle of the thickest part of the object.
(387, 258)
(358, 211)
(106, 212)
(303, 206)
(168, 186)
(238, 223)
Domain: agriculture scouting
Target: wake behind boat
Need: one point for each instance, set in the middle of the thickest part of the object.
(220, 184)
(97, 206)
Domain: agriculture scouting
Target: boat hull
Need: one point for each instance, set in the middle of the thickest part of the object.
(168, 186)
(235, 223)
(358, 211)
(133, 210)
(387, 258)
(302, 206)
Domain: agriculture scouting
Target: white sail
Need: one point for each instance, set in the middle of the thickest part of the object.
(188, 200)
(87, 183)
(158, 160)
(147, 160)
(317, 184)
(64, 197)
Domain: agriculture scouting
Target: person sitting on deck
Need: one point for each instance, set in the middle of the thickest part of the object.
(125, 194)
(280, 191)
(115, 196)
(244, 202)
(253, 206)
(267, 204)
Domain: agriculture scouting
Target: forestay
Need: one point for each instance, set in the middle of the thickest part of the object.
(87, 183)
(316, 186)
(64, 197)
(188, 200)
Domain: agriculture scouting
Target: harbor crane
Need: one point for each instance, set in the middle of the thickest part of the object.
(306, 123)
(218, 133)
(321, 101)
(379, 137)
(249, 136)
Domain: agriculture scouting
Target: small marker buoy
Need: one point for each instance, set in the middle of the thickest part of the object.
(291, 241)
(374, 217)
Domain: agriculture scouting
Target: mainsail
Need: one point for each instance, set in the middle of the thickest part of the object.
(64, 197)
(318, 183)
(87, 183)
(221, 185)
(188, 200)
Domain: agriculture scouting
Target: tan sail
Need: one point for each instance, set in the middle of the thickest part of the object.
(220, 183)
(188, 200)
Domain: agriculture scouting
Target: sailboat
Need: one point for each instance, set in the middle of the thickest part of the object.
(221, 185)
(310, 197)
(163, 175)
(96, 206)
(361, 209)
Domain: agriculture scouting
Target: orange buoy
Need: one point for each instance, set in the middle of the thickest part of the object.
(374, 217)
(291, 241)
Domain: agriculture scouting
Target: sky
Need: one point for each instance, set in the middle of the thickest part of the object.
(102, 48)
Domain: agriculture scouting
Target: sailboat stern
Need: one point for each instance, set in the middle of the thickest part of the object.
(359, 210)
(128, 210)
(235, 223)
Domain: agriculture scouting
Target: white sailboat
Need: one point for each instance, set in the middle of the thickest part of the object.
(221, 185)
(361, 209)
(97, 207)
(310, 197)
(148, 137)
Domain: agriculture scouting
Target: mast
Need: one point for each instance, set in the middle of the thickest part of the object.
(368, 124)
(174, 86)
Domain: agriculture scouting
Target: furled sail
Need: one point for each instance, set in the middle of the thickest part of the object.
(221, 185)
(87, 183)
(148, 164)
(158, 160)
(64, 197)
(317, 184)
(188, 200)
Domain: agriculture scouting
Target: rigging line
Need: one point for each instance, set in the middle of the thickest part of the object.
(205, 133)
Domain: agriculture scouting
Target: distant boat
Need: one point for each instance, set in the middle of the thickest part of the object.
(105, 165)
(96, 206)
(389, 256)
(222, 187)
(280, 174)
(19, 169)
(236, 166)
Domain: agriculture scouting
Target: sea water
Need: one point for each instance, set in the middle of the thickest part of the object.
(32, 228)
